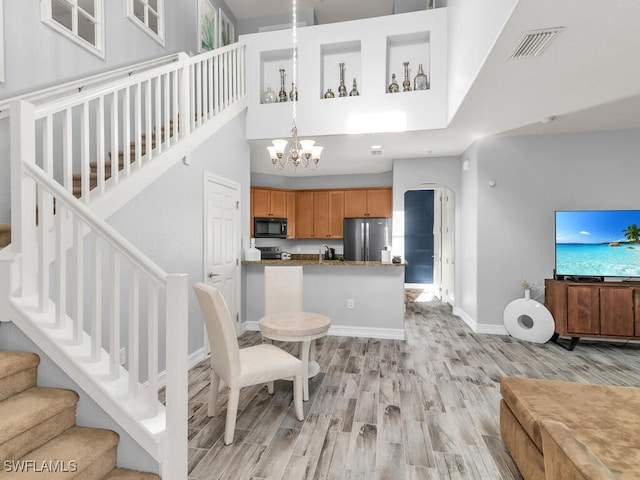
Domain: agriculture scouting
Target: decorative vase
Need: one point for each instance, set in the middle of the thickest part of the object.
(342, 89)
(431, 4)
(421, 82)
(269, 96)
(329, 94)
(354, 91)
(406, 85)
(393, 86)
(282, 95)
(293, 94)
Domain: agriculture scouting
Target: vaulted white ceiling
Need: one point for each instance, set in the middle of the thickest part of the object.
(588, 79)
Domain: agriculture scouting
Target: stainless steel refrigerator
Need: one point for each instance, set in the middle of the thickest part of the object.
(365, 238)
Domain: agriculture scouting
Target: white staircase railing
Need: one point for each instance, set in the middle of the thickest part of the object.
(82, 287)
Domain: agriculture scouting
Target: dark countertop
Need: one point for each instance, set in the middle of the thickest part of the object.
(324, 263)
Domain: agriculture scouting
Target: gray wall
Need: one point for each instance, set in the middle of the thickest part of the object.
(535, 176)
(165, 220)
(253, 25)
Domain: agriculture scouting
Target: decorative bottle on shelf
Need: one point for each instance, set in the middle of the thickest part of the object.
(342, 89)
(354, 91)
(329, 94)
(269, 96)
(293, 94)
(282, 95)
(393, 86)
(421, 82)
(406, 85)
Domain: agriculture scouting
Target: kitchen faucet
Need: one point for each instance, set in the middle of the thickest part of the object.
(324, 245)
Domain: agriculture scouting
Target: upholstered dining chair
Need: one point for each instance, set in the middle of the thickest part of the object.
(238, 367)
(283, 289)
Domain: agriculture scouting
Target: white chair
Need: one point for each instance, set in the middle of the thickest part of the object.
(241, 367)
(283, 289)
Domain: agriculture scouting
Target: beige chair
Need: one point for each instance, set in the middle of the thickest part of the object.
(283, 289)
(241, 367)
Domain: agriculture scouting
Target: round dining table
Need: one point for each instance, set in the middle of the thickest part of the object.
(303, 327)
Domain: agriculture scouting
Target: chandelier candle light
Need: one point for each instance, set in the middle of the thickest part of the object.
(300, 151)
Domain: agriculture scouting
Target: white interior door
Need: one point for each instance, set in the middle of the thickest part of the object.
(222, 241)
(448, 248)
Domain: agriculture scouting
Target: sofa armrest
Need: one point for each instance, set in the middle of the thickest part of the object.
(568, 458)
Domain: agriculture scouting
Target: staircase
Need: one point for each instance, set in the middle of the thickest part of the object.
(38, 431)
(76, 287)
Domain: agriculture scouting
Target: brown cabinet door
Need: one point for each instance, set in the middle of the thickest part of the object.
(278, 204)
(555, 299)
(616, 311)
(379, 203)
(260, 201)
(320, 214)
(336, 213)
(291, 215)
(583, 310)
(636, 303)
(304, 215)
(355, 203)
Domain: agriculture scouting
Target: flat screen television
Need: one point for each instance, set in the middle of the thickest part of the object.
(597, 243)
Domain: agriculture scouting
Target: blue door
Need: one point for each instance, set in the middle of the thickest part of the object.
(418, 236)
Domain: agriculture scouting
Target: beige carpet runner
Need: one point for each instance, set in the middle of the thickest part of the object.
(39, 437)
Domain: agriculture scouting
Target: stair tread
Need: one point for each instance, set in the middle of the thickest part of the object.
(127, 474)
(14, 362)
(31, 407)
(78, 449)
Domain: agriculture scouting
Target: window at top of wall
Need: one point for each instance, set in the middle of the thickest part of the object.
(149, 16)
(79, 20)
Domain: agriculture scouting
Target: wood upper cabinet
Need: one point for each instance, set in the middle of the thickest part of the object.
(328, 213)
(269, 202)
(304, 214)
(291, 214)
(374, 202)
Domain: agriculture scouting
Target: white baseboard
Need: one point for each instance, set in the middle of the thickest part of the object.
(194, 358)
(479, 327)
(345, 331)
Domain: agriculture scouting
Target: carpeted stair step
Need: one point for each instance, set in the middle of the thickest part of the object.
(18, 372)
(5, 234)
(85, 453)
(126, 474)
(31, 418)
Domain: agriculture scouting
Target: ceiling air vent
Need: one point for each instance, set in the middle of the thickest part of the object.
(375, 153)
(533, 43)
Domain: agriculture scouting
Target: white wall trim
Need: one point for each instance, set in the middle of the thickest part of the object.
(346, 331)
(490, 329)
(193, 359)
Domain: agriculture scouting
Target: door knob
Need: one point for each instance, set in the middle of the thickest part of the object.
(211, 274)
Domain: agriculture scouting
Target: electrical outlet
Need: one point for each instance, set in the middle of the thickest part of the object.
(123, 356)
(351, 304)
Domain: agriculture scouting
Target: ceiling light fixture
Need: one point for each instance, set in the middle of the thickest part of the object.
(300, 151)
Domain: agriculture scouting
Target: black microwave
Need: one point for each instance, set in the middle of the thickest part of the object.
(269, 227)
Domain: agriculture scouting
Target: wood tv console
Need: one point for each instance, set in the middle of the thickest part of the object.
(594, 310)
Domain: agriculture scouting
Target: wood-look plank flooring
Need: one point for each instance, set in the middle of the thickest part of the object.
(423, 408)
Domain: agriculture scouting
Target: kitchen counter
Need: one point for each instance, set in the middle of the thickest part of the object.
(363, 299)
(325, 263)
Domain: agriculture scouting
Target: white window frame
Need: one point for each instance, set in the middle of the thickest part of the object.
(144, 25)
(46, 15)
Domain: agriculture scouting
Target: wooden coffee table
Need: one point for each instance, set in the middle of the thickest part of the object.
(304, 327)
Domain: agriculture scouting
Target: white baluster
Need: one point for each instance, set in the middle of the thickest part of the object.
(61, 265)
(85, 155)
(96, 320)
(137, 120)
(78, 306)
(126, 135)
(67, 150)
(114, 320)
(134, 332)
(148, 139)
(152, 346)
(158, 113)
(115, 120)
(100, 143)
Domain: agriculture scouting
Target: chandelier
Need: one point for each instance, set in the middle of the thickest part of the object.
(300, 152)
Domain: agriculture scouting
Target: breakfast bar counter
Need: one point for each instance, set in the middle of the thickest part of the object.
(364, 299)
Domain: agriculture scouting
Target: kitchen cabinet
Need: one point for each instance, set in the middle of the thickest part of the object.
(304, 214)
(269, 202)
(370, 202)
(328, 213)
(610, 309)
(291, 213)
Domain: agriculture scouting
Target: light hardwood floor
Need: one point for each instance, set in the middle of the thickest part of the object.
(424, 408)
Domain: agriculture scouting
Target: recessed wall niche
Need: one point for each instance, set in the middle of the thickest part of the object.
(414, 48)
(331, 56)
(270, 63)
